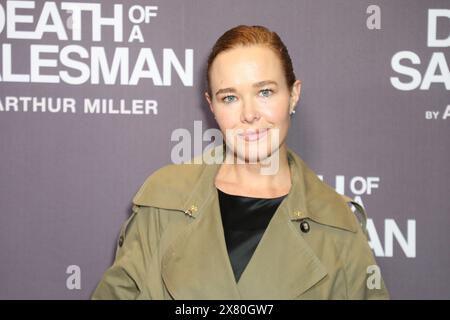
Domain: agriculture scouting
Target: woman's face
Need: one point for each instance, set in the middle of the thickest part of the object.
(251, 101)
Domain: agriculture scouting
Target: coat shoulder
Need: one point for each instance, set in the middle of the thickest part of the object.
(167, 187)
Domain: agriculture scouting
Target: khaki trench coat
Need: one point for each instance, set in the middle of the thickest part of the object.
(173, 246)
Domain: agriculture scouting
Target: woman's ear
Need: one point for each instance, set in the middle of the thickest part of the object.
(208, 99)
(295, 93)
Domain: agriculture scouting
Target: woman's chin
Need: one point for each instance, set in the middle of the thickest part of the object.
(253, 154)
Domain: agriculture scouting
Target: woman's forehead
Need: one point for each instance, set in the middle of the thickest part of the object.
(246, 64)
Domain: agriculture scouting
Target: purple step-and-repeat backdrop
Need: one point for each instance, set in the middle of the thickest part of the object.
(91, 94)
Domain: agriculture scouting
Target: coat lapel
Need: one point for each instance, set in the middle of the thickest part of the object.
(283, 265)
(196, 265)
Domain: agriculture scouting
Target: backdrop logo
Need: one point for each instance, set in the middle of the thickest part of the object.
(73, 61)
(437, 71)
(361, 186)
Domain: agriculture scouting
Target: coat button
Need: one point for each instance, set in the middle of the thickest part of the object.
(304, 226)
(121, 241)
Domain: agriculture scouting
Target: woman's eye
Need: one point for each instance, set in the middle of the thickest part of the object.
(229, 99)
(266, 92)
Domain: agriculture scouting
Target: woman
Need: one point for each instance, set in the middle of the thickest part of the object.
(258, 224)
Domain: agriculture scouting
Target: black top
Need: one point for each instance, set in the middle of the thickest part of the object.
(244, 221)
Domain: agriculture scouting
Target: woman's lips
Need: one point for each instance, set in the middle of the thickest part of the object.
(253, 135)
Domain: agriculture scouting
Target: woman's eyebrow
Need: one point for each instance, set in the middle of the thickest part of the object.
(264, 83)
(256, 85)
(225, 90)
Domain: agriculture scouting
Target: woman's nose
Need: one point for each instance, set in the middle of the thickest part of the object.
(249, 112)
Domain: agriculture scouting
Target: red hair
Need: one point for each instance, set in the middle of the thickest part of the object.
(243, 35)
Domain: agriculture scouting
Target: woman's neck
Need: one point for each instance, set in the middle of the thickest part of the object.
(256, 179)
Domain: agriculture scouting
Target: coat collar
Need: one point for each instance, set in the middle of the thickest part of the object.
(196, 264)
(185, 187)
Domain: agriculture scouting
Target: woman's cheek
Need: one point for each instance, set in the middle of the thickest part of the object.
(276, 114)
(226, 119)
